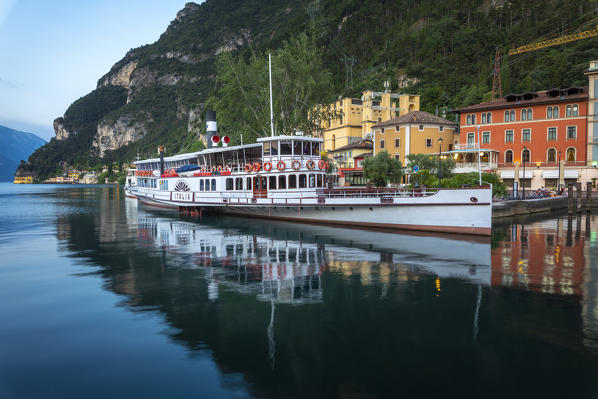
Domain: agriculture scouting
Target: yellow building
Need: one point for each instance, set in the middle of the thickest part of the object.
(73, 174)
(357, 116)
(23, 179)
(414, 133)
(348, 162)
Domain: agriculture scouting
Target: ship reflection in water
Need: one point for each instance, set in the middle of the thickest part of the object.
(283, 262)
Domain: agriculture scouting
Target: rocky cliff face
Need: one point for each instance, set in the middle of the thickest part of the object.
(112, 136)
(61, 132)
(122, 77)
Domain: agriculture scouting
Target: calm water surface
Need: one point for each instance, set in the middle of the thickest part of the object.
(100, 297)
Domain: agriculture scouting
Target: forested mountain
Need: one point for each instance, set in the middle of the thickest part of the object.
(443, 50)
(14, 147)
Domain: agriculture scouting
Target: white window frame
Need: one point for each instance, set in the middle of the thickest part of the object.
(567, 133)
(512, 135)
(530, 135)
(556, 133)
(489, 137)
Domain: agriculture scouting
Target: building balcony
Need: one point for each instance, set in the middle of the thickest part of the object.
(467, 167)
(467, 146)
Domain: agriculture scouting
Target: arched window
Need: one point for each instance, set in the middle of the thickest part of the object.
(571, 154)
(512, 116)
(506, 116)
(568, 110)
(468, 120)
(549, 112)
(483, 118)
(529, 114)
(555, 112)
(551, 156)
(523, 114)
(575, 110)
(340, 117)
(334, 141)
(525, 156)
(473, 119)
(509, 156)
(489, 117)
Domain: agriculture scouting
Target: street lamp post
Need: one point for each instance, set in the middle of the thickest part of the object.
(558, 183)
(439, 161)
(523, 161)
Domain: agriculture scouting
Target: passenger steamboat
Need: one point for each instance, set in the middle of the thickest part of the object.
(283, 177)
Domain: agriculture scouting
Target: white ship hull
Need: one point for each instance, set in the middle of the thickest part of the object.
(450, 210)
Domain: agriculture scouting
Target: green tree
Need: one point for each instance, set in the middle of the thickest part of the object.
(430, 163)
(472, 179)
(383, 169)
(299, 83)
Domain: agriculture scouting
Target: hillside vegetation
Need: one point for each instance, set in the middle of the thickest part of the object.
(442, 50)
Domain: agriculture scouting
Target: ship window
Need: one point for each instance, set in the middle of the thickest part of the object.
(319, 180)
(282, 182)
(302, 180)
(315, 149)
(292, 181)
(274, 148)
(266, 148)
(297, 148)
(285, 148)
(229, 184)
(239, 183)
(306, 148)
(213, 184)
(312, 180)
(201, 185)
(272, 182)
(248, 184)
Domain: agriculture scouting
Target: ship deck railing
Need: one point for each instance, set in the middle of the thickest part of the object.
(375, 192)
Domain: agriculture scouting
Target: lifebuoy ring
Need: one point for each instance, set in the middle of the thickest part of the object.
(322, 164)
(296, 164)
(267, 166)
(257, 166)
(203, 169)
(219, 169)
(281, 165)
(247, 168)
(310, 164)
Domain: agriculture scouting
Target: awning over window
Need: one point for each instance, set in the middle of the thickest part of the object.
(550, 174)
(528, 174)
(507, 174)
(571, 173)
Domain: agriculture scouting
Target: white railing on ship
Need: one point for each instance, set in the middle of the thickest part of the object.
(375, 192)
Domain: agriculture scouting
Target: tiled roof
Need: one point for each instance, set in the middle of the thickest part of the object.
(531, 98)
(362, 144)
(367, 154)
(416, 117)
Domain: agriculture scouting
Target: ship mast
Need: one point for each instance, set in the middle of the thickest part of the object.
(271, 108)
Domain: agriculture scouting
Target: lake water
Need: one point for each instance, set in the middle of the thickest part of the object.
(100, 297)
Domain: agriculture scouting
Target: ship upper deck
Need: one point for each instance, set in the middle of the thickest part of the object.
(267, 149)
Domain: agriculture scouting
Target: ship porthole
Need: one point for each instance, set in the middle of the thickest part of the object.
(350, 208)
(371, 208)
(332, 208)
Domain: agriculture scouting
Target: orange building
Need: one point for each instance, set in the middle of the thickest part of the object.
(542, 129)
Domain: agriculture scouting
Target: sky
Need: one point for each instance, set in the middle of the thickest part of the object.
(54, 52)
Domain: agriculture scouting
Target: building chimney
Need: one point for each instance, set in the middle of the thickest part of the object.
(211, 127)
